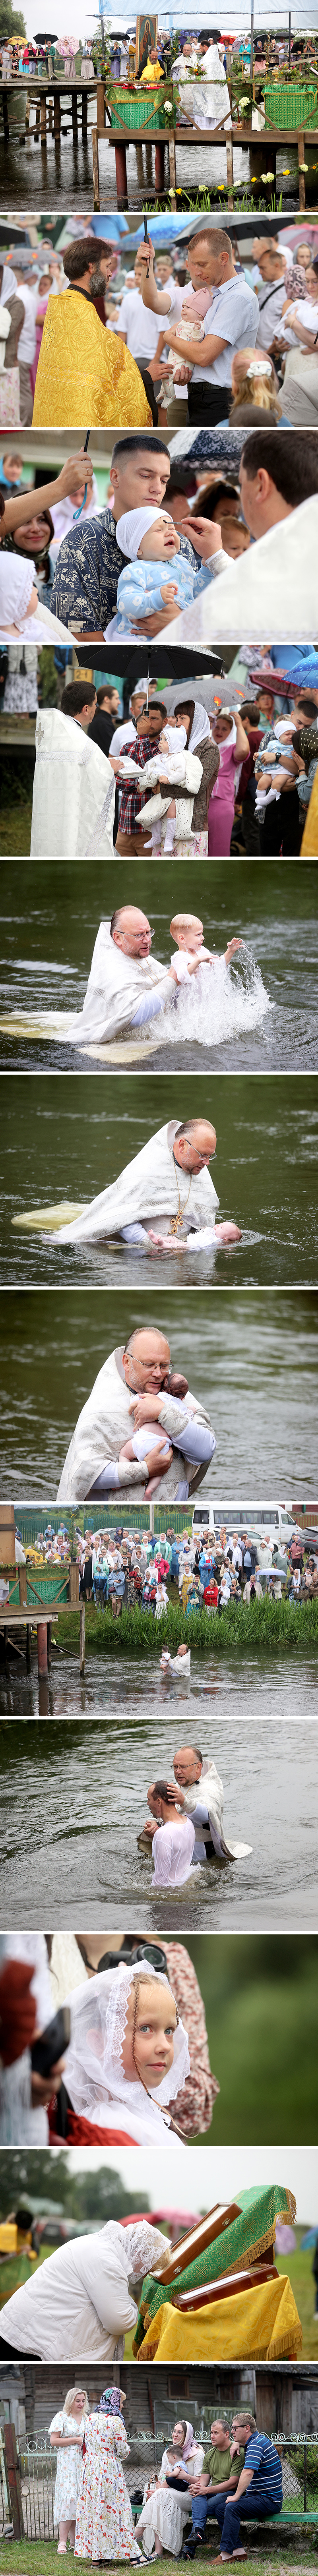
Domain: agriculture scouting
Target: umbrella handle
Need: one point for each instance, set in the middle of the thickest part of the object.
(77, 513)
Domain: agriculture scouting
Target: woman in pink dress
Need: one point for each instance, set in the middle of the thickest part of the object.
(229, 733)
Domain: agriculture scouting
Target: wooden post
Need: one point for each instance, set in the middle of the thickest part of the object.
(5, 112)
(42, 1647)
(50, 114)
(160, 168)
(74, 115)
(82, 1637)
(27, 112)
(173, 172)
(42, 105)
(13, 2480)
(302, 180)
(49, 1644)
(121, 174)
(100, 107)
(74, 1585)
(22, 1586)
(95, 167)
(57, 115)
(84, 112)
(28, 1646)
(229, 166)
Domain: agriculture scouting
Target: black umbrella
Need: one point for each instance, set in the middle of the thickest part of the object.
(45, 40)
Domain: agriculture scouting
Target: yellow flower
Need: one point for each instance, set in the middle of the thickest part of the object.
(286, 173)
(303, 165)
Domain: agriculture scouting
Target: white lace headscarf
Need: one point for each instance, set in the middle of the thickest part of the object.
(95, 2073)
(141, 2246)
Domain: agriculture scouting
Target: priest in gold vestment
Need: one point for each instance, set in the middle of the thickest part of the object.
(85, 373)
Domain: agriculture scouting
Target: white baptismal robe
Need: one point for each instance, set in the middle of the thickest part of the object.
(210, 1794)
(73, 793)
(119, 989)
(272, 590)
(206, 102)
(151, 1187)
(106, 1422)
(173, 1846)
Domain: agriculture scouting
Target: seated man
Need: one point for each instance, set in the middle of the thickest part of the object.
(173, 1839)
(219, 2476)
(260, 2487)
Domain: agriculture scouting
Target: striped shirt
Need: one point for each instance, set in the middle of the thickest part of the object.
(266, 2483)
(132, 797)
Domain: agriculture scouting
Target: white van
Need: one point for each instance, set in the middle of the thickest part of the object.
(278, 1518)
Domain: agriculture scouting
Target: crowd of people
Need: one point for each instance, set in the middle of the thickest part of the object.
(205, 329)
(237, 2473)
(204, 1572)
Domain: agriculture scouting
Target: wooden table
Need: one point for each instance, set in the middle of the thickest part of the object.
(50, 98)
(262, 149)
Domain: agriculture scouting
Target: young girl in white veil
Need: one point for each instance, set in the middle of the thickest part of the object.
(128, 2057)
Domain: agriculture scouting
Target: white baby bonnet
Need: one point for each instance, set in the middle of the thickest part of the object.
(94, 2072)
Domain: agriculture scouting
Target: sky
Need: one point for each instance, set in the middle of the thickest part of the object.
(194, 2180)
(78, 21)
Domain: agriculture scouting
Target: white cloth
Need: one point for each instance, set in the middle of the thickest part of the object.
(20, 2124)
(73, 792)
(69, 2467)
(123, 733)
(140, 326)
(209, 1792)
(78, 2305)
(207, 102)
(27, 341)
(17, 580)
(8, 285)
(177, 1664)
(270, 299)
(105, 1423)
(64, 512)
(271, 590)
(166, 2509)
(173, 1846)
(96, 2082)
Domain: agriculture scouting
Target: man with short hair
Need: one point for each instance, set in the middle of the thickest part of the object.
(230, 322)
(73, 787)
(151, 1191)
(86, 577)
(132, 1384)
(82, 373)
(104, 718)
(172, 1837)
(272, 589)
(219, 2477)
(259, 2491)
(149, 725)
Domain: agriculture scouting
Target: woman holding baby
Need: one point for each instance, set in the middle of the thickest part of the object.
(167, 2498)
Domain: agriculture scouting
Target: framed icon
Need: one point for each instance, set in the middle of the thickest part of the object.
(146, 36)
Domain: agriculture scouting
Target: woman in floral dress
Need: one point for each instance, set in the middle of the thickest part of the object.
(66, 2437)
(104, 2522)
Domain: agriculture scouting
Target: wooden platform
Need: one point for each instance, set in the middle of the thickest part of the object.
(262, 149)
(54, 102)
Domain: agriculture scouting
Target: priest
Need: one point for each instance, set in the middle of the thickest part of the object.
(73, 791)
(199, 1792)
(84, 371)
(168, 1185)
(130, 1391)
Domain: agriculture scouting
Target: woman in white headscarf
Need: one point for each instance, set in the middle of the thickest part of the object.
(165, 2508)
(80, 2301)
(229, 733)
(127, 2060)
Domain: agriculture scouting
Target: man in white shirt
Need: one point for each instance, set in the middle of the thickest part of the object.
(139, 329)
(26, 344)
(230, 323)
(173, 1841)
(125, 733)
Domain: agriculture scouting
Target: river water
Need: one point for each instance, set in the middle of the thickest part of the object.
(74, 1795)
(63, 1141)
(42, 181)
(264, 1013)
(250, 1357)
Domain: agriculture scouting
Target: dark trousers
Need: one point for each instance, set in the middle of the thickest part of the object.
(8, 2352)
(282, 827)
(208, 402)
(228, 2516)
(149, 390)
(250, 823)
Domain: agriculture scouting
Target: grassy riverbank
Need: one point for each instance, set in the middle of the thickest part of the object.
(264, 1626)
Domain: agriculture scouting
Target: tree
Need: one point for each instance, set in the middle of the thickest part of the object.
(82, 2196)
(12, 22)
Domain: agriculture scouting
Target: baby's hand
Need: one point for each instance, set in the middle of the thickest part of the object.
(169, 592)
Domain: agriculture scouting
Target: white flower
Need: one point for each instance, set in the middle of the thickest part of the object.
(169, 108)
(303, 165)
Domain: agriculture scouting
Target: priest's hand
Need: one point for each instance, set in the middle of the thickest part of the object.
(175, 1796)
(77, 471)
(204, 534)
(146, 1408)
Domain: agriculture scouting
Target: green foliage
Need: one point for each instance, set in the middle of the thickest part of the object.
(260, 2004)
(82, 2195)
(265, 1626)
(12, 22)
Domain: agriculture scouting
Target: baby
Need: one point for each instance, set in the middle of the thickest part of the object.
(151, 542)
(189, 327)
(171, 759)
(150, 1444)
(274, 765)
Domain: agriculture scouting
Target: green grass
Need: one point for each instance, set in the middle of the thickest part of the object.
(265, 1625)
(28, 2557)
(15, 827)
(299, 2267)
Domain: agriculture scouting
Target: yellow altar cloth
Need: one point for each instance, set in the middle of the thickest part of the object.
(85, 373)
(309, 845)
(253, 2325)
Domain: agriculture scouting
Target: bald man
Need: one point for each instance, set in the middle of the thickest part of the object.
(168, 1185)
(127, 986)
(198, 1790)
(131, 1390)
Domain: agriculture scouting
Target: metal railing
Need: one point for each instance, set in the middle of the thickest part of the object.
(37, 2465)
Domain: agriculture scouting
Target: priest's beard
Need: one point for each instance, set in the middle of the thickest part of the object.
(98, 283)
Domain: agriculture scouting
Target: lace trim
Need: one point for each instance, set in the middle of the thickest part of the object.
(100, 826)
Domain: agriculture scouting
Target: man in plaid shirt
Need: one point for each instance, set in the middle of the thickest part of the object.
(148, 728)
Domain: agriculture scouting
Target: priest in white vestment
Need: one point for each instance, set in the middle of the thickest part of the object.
(272, 590)
(168, 1184)
(131, 1390)
(204, 102)
(201, 1794)
(73, 793)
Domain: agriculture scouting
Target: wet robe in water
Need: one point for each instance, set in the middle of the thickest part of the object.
(208, 1793)
(152, 1189)
(85, 372)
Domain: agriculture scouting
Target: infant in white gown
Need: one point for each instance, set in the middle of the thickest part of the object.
(171, 760)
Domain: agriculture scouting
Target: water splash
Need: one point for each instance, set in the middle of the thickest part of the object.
(218, 1004)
